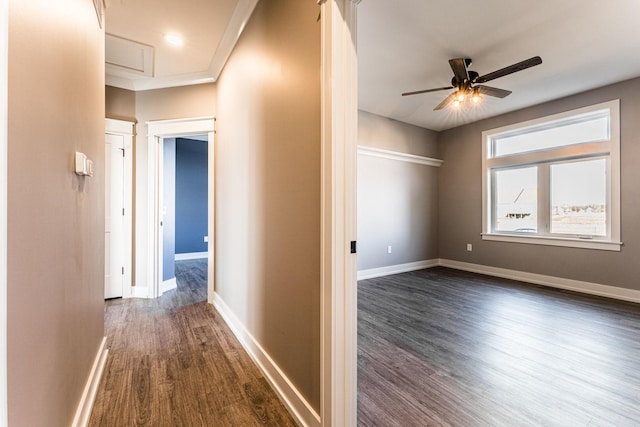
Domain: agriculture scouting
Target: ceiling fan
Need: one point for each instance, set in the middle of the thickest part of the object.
(468, 83)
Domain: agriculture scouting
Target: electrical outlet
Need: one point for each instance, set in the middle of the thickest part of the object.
(389, 249)
(469, 247)
(206, 239)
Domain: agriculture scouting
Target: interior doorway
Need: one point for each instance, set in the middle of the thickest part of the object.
(158, 132)
(184, 202)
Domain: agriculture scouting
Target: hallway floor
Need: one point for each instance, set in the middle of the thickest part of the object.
(174, 362)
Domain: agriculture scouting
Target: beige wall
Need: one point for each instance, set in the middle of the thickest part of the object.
(141, 107)
(176, 102)
(268, 187)
(55, 219)
(460, 199)
(120, 104)
(397, 201)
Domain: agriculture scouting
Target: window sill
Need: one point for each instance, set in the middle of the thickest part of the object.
(604, 245)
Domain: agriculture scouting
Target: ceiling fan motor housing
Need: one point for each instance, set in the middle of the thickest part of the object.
(460, 84)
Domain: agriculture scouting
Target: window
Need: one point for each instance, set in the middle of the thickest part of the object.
(555, 180)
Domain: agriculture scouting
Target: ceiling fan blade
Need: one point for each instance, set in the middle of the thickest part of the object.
(427, 90)
(522, 65)
(493, 91)
(459, 67)
(448, 100)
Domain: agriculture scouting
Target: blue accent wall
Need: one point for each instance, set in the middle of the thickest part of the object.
(191, 195)
(168, 220)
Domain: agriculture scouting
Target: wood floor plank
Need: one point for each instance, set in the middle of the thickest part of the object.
(174, 362)
(444, 347)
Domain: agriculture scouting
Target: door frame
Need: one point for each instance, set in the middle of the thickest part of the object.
(339, 134)
(126, 129)
(157, 131)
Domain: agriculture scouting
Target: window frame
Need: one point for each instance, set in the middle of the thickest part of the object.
(543, 159)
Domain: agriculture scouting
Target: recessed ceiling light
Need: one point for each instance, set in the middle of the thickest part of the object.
(174, 39)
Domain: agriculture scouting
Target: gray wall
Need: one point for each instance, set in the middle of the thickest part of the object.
(388, 134)
(268, 187)
(55, 268)
(169, 209)
(461, 204)
(397, 201)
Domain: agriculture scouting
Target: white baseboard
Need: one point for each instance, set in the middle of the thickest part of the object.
(551, 281)
(168, 285)
(395, 269)
(140, 292)
(538, 279)
(191, 255)
(83, 413)
(297, 405)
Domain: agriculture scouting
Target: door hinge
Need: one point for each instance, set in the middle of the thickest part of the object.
(122, 211)
(123, 271)
(353, 247)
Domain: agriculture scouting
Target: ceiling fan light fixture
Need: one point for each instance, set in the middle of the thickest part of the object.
(475, 96)
(463, 82)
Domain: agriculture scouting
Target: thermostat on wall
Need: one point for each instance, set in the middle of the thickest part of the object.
(84, 166)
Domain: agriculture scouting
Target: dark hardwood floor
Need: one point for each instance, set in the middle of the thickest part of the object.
(174, 362)
(440, 347)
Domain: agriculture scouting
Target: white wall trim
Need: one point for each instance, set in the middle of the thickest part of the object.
(168, 285)
(566, 242)
(191, 255)
(239, 18)
(297, 405)
(4, 87)
(551, 281)
(83, 413)
(397, 155)
(140, 292)
(398, 268)
(118, 127)
(537, 279)
(338, 274)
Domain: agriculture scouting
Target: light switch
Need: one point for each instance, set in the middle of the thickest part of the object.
(83, 166)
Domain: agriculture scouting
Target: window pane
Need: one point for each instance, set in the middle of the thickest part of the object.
(592, 130)
(516, 196)
(579, 198)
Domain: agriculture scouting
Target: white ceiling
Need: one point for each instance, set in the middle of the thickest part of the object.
(138, 57)
(402, 46)
(405, 46)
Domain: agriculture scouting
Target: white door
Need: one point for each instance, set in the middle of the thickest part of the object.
(114, 216)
